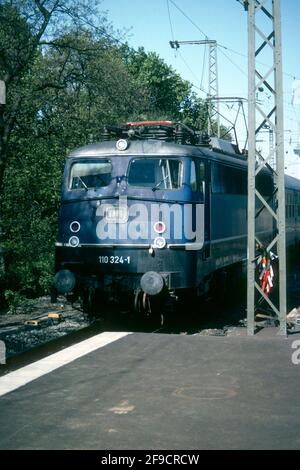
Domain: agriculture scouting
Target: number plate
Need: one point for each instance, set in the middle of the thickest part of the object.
(114, 259)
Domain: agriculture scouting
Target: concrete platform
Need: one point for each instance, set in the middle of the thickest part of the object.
(154, 391)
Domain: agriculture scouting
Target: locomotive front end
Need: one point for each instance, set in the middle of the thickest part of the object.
(130, 224)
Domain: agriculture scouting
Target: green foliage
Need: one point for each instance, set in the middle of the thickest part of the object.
(14, 47)
(17, 302)
(169, 95)
(29, 212)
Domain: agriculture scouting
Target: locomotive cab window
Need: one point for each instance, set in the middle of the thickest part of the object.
(156, 173)
(90, 175)
(197, 177)
(193, 179)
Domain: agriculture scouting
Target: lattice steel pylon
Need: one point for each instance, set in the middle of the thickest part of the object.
(213, 91)
(213, 83)
(264, 43)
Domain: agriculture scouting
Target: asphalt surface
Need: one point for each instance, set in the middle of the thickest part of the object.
(158, 391)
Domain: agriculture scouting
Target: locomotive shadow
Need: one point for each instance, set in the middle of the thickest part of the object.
(215, 314)
(190, 316)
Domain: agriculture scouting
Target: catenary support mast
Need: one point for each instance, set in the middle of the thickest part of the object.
(264, 43)
(213, 84)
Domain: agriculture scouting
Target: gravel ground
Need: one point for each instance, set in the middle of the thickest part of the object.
(19, 337)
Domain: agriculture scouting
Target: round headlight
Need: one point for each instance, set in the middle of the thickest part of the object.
(122, 144)
(74, 241)
(159, 242)
(75, 226)
(159, 227)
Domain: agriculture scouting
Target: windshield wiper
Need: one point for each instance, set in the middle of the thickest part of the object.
(158, 184)
(83, 183)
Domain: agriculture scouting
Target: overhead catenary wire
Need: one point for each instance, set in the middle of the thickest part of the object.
(241, 54)
(170, 21)
(111, 37)
(222, 45)
(125, 44)
(188, 18)
(200, 87)
(232, 62)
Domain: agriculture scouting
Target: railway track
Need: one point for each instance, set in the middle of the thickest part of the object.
(47, 348)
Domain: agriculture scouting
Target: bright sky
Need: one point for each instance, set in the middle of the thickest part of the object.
(152, 24)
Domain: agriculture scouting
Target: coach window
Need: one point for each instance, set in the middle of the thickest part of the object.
(228, 180)
(197, 177)
(264, 184)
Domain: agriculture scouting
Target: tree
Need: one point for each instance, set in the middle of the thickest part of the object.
(27, 29)
(169, 96)
(167, 91)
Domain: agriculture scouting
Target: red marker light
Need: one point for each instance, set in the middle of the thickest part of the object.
(159, 227)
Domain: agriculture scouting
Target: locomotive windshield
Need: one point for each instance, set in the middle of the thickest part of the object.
(156, 173)
(90, 175)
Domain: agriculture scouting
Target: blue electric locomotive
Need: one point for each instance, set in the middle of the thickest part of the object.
(155, 212)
